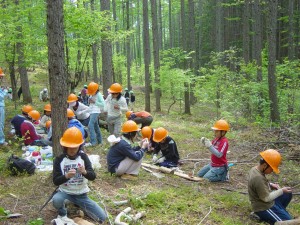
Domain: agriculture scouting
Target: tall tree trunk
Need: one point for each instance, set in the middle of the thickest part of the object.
(272, 22)
(199, 37)
(257, 42)
(128, 55)
(160, 26)
(246, 31)
(147, 53)
(23, 73)
(106, 47)
(114, 8)
(170, 25)
(138, 35)
(57, 71)
(291, 48)
(94, 52)
(22, 64)
(155, 37)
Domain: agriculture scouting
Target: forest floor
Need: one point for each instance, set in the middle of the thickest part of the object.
(169, 200)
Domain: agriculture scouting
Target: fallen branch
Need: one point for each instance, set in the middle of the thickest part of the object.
(206, 215)
(172, 171)
(124, 213)
(228, 189)
(288, 222)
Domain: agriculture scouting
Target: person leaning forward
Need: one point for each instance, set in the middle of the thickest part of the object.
(123, 159)
(268, 200)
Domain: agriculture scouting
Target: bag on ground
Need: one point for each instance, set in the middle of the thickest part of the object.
(18, 165)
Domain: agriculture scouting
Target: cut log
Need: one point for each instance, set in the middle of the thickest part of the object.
(288, 222)
(172, 171)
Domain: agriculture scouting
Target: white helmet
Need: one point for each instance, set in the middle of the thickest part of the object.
(45, 89)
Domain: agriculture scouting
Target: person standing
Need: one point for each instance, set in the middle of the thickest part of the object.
(217, 169)
(71, 172)
(3, 93)
(115, 106)
(84, 96)
(268, 200)
(132, 100)
(127, 96)
(96, 104)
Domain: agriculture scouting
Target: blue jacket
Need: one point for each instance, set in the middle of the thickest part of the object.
(16, 122)
(168, 149)
(120, 151)
(77, 124)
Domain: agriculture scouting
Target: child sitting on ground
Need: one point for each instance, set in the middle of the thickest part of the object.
(71, 172)
(217, 169)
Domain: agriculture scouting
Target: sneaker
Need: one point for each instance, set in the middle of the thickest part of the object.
(89, 144)
(128, 177)
(65, 219)
(4, 143)
(254, 216)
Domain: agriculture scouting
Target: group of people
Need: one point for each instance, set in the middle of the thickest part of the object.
(73, 169)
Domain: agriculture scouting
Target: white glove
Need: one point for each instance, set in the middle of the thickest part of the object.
(160, 160)
(206, 142)
(145, 143)
(154, 159)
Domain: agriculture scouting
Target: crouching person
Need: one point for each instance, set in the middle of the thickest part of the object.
(268, 200)
(167, 147)
(123, 159)
(71, 172)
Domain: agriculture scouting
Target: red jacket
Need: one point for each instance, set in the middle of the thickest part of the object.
(29, 133)
(220, 144)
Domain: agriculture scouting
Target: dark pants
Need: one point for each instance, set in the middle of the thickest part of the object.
(278, 211)
(145, 121)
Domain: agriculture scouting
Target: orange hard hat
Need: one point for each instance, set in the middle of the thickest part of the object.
(47, 107)
(72, 138)
(130, 126)
(273, 158)
(27, 108)
(1, 73)
(146, 132)
(128, 113)
(160, 134)
(70, 113)
(92, 88)
(72, 98)
(48, 124)
(221, 125)
(115, 88)
(35, 115)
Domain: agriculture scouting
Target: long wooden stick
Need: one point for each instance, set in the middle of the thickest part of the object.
(167, 170)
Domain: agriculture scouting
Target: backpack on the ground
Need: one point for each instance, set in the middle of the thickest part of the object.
(18, 165)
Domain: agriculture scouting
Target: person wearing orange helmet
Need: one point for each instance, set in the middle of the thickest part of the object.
(95, 107)
(73, 122)
(217, 169)
(169, 156)
(268, 200)
(147, 132)
(19, 119)
(29, 133)
(46, 117)
(3, 93)
(81, 110)
(115, 106)
(141, 117)
(71, 172)
(122, 158)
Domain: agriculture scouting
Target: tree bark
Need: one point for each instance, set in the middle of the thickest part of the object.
(146, 45)
(106, 47)
(155, 37)
(246, 31)
(291, 48)
(57, 71)
(272, 21)
(128, 55)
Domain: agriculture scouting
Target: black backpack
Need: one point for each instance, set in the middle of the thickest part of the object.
(18, 165)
